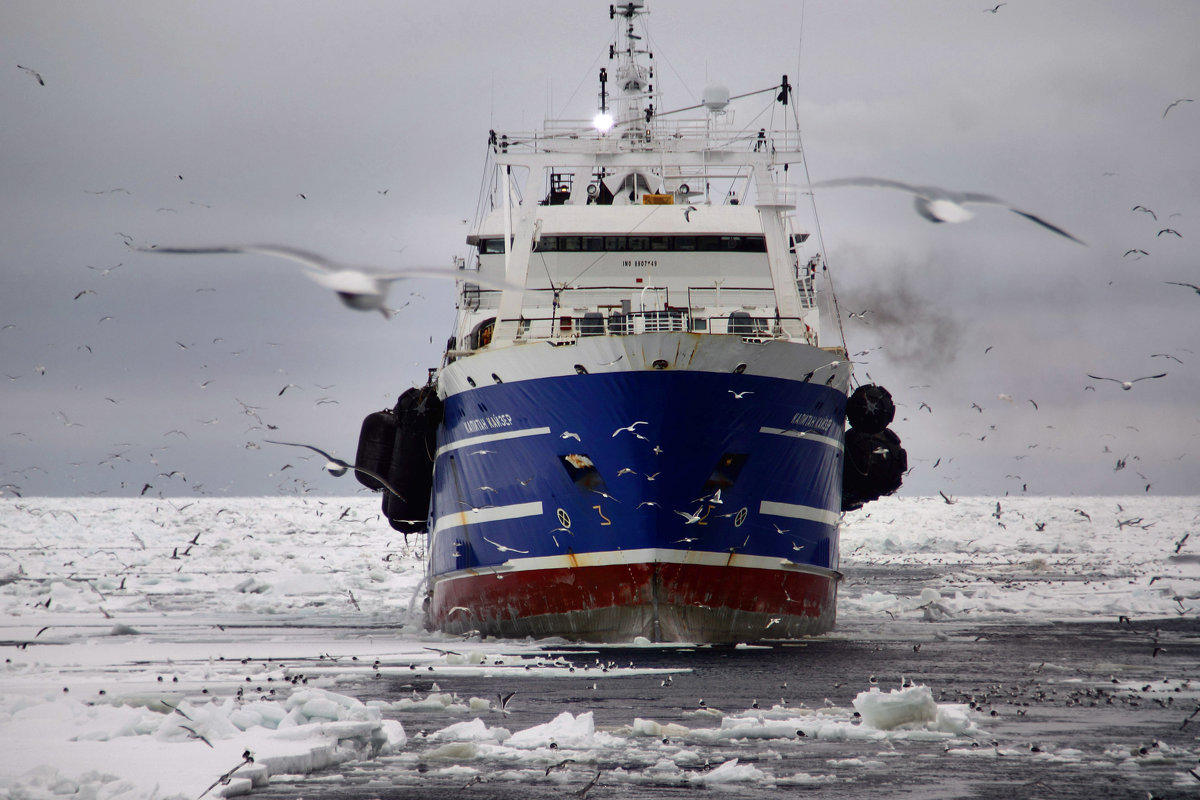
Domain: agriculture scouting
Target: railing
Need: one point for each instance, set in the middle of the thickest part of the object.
(569, 314)
(682, 135)
(569, 328)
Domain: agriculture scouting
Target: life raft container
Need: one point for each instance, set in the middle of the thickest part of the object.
(874, 466)
(376, 440)
(874, 462)
(399, 444)
(870, 408)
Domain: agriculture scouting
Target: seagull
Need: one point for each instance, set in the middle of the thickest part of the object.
(1135, 251)
(994, 8)
(503, 548)
(1169, 230)
(337, 467)
(38, 77)
(359, 288)
(1177, 102)
(1127, 385)
(691, 519)
(1191, 286)
(630, 429)
(739, 395)
(570, 435)
(942, 205)
(1146, 210)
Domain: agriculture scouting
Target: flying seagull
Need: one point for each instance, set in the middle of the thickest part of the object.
(38, 77)
(1127, 385)
(1177, 102)
(361, 288)
(1191, 286)
(942, 205)
(337, 467)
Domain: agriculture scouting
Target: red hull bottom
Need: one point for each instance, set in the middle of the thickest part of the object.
(663, 602)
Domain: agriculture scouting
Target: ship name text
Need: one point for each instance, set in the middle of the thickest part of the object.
(812, 421)
(487, 423)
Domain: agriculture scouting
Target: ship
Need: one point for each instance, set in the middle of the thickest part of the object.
(639, 427)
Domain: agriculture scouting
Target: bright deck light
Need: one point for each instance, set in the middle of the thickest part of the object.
(603, 122)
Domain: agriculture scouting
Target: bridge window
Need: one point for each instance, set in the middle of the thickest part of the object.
(636, 244)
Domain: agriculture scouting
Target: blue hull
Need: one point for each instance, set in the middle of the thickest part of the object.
(690, 467)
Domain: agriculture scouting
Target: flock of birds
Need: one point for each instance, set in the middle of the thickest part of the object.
(940, 205)
(364, 288)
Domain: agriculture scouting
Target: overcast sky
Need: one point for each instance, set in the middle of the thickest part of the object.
(358, 130)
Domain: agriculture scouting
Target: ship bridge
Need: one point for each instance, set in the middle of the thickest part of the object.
(641, 221)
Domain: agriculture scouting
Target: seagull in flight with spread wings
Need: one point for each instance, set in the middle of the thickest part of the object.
(1191, 286)
(37, 76)
(1177, 102)
(1127, 385)
(943, 205)
(337, 467)
(361, 288)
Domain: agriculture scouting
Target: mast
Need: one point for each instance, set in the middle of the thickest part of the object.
(634, 79)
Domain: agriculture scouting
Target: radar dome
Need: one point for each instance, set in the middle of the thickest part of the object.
(715, 97)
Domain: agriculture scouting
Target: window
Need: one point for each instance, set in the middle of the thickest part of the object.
(625, 244)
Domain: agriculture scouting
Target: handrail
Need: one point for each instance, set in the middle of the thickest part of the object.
(570, 327)
(474, 296)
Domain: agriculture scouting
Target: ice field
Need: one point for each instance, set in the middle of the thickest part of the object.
(175, 648)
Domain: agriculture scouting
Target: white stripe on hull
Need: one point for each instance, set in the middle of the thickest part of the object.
(799, 512)
(490, 437)
(648, 555)
(475, 516)
(828, 441)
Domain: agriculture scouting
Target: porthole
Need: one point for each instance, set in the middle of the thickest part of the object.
(471, 381)
(496, 378)
(581, 369)
(739, 369)
(660, 363)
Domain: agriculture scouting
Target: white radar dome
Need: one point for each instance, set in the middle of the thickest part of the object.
(715, 97)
